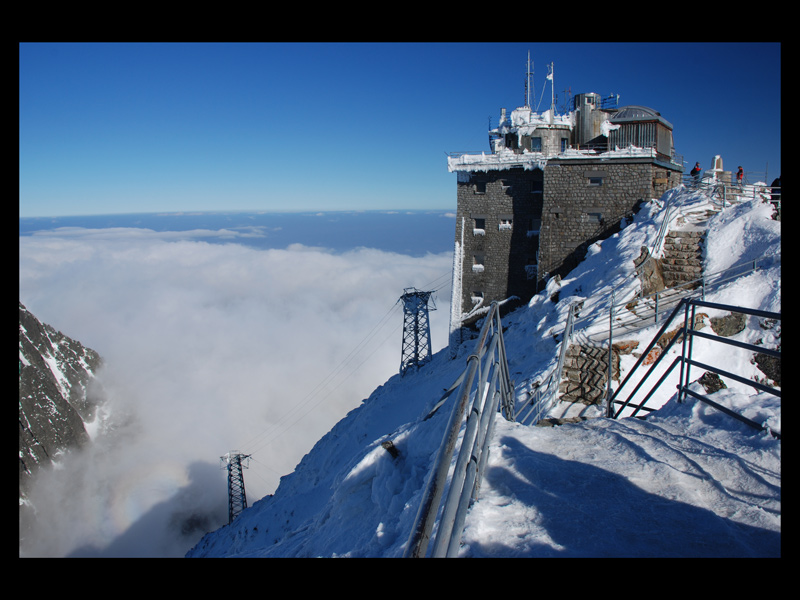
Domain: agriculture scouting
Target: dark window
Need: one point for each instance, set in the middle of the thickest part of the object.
(594, 217)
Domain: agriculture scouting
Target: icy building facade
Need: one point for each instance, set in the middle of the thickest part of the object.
(551, 185)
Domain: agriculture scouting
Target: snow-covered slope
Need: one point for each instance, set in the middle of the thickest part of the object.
(688, 481)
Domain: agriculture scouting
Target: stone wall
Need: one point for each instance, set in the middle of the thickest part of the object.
(524, 226)
(585, 201)
(501, 213)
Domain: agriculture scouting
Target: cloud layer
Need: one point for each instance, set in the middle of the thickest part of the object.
(208, 348)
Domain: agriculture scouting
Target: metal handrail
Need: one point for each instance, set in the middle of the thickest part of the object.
(670, 209)
(717, 188)
(546, 395)
(486, 382)
(687, 333)
(699, 287)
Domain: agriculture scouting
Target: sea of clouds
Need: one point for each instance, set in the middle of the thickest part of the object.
(207, 348)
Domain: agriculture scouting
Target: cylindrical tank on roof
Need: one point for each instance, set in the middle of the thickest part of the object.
(589, 117)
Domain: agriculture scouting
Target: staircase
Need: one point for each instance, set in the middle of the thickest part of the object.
(682, 260)
(585, 374)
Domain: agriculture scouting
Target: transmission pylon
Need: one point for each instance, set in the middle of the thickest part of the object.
(416, 329)
(237, 499)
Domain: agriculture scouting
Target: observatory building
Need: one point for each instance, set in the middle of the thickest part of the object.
(550, 186)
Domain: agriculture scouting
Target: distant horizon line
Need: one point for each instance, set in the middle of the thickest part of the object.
(311, 212)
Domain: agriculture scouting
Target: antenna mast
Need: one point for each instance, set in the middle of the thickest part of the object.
(528, 89)
(551, 77)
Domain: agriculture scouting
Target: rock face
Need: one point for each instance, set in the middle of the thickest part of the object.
(55, 394)
(650, 273)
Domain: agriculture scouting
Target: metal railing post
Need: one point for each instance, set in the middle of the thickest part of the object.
(486, 367)
(610, 353)
(434, 488)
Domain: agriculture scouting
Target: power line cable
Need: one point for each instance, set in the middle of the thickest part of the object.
(326, 381)
(270, 434)
(315, 404)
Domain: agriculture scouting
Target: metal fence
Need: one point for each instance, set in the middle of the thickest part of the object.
(485, 383)
(686, 335)
(545, 396)
(727, 192)
(625, 316)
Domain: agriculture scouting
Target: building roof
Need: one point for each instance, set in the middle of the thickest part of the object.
(638, 113)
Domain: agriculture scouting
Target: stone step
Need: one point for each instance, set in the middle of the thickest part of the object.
(684, 267)
(585, 374)
(682, 247)
(682, 241)
(683, 258)
(686, 233)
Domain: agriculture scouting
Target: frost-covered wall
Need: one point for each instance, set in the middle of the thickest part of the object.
(529, 210)
(499, 214)
(455, 293)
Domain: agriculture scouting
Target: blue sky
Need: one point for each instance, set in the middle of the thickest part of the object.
(121, 128)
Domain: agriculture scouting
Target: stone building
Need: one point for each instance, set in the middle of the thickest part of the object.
(551, 186)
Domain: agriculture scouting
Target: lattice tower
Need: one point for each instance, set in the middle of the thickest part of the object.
(237, 499)
(416, 329)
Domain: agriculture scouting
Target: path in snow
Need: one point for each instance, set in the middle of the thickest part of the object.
(605, 488)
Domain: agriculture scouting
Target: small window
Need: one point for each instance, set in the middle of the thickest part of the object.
(480, 187)
(480, 223)
(505, 224)
(563, 144)
(536, 144)
(596, 181)
(477, 263)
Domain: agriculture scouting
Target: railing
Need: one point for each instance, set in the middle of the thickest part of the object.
(687, 334)
(546, 394)
(663, 300)
(731, 191)
(486, 382)
(621, 317)
(465, 153)
(670, 209)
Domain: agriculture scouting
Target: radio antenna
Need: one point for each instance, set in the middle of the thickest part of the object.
(528, 89)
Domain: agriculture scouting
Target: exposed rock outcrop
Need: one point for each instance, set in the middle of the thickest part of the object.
(56, 398)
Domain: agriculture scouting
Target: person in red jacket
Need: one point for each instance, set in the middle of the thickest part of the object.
(740, 177)
(696, 172)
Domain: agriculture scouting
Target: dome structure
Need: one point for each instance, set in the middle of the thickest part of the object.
(638, 113)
